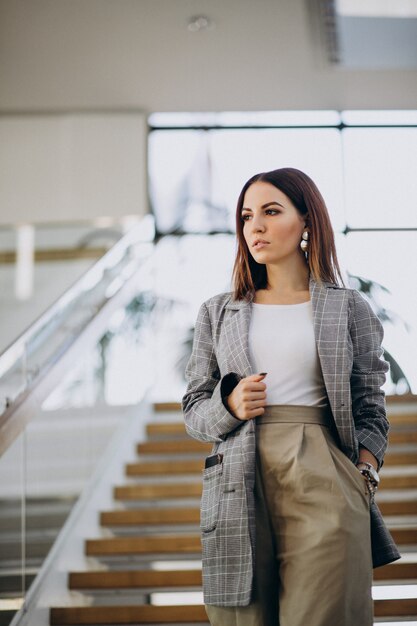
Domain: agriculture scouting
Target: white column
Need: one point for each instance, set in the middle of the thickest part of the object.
(25, 261)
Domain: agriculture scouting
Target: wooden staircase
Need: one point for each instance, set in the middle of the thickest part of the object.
(156, 519)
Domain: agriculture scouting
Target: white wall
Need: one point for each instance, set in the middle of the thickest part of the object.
(58, 167)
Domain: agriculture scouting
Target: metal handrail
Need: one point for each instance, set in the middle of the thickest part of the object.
(21, 347)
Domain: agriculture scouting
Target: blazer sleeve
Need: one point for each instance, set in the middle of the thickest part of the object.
(367, 377)
(205, 413)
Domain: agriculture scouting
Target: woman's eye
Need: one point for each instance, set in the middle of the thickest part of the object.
(267, 211)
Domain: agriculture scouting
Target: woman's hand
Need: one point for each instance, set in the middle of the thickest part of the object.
(248, 397)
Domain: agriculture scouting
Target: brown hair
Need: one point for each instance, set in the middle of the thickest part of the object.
(248, 275)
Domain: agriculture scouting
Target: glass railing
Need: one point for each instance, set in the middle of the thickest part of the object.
(27, 356)
(39, 262)
(49, 447)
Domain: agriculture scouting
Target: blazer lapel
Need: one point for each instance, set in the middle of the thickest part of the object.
(236, 331)
(329, 316)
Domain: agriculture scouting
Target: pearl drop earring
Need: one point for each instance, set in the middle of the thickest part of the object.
(304, 242)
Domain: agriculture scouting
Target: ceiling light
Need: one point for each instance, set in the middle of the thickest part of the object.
(199, 22)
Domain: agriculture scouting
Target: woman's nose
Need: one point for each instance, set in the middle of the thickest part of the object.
(257, 223)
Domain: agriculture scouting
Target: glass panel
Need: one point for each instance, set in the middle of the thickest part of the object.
(196, 176)
(57, 328)
(14, 577)
(238, 154)
(187, 271)
(370, 44)
(386, 259)
(380, 177)
(63, 255)
(379, 117)
(120, 367)
(45, 469)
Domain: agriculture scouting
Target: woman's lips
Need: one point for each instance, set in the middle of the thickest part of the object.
(260, 244)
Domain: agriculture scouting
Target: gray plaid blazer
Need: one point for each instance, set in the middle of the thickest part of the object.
(348, 338)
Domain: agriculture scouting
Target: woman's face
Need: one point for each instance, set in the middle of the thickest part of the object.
(269, 214)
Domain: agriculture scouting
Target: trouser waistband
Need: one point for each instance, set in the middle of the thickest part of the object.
(278, 413)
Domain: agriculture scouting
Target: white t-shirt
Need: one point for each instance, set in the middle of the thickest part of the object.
(282, 343)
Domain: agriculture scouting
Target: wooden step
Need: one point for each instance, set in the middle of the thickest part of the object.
(400, 458)
(166, 429)
(193, 446)
(404, 536)
(397, 507)
(165, 468)
(178, 429)
(396, 399)
(190, 515)
(128, 579)
(160, 407)
(397, 419)
(396, 608)
(145, 614)
(155, 544)
(188, 543)
(135, 579)
(158, 491)
(180, 446)
(396, 571)
(135, 517)
(407, 481)
(402, 436)
(193, 490)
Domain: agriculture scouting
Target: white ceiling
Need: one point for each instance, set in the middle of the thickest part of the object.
(138, 54)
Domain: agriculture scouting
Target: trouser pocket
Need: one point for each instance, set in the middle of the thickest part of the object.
(357, 478)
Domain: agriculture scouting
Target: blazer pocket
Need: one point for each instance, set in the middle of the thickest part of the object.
(210, 498)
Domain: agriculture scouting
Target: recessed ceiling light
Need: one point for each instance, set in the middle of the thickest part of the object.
(199, 22)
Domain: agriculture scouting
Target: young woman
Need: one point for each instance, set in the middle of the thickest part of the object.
(285, 379)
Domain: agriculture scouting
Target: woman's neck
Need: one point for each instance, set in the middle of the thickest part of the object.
(285, 284)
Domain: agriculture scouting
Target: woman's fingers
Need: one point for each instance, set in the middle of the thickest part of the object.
(248, 398)
(254, 395)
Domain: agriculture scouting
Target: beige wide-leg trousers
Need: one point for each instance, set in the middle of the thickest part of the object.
(313, 562)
